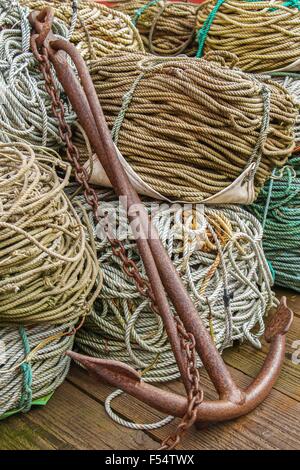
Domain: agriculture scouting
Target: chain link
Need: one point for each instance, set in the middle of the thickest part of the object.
(187, 340)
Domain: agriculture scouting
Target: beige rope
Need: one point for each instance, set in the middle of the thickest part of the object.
(265, 35)
(48, 273)
(190, 127)
(98, 30)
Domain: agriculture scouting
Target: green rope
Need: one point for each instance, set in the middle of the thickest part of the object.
(278, 207)
(26, 397)
(203, 32)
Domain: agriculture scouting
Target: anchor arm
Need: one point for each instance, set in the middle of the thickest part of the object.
(209, 411)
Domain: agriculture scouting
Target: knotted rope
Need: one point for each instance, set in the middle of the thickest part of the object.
(263, 34)
(218, 254)
(25, 106)
(278, 208)
(32, 364)
(47, 270)
(190, 127)
(95, 29)
(166, 28)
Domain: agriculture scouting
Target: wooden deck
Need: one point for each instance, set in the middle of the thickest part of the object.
(75, 418)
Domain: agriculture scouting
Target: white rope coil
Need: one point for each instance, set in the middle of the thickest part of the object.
(25, 106)
(224, 257)
(47, 362)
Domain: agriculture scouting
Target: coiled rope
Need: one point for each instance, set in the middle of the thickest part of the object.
(278, 208)
(25, 106)
(32, 364)
(291, 81)
(213, 250)
(218, 254)
(263, 34)
(166, 28)
(95, 29)
(47, 270)
(190, 127)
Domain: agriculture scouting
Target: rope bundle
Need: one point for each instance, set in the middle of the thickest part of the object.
(278, 208)
(291, 81)
(263, 34)
(25, 106)
(47, 270)
(218, 254)
(95, 29)
(32, 364)
(166, 28)
(190, 127)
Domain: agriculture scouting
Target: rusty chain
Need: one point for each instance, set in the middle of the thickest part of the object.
(187, 340)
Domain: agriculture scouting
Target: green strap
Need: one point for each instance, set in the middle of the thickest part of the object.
(26, 398)
(203, 32)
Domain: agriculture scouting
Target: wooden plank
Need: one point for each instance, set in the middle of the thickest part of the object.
(77, 420)
(16, 433)
(274, 425)
(84, 424)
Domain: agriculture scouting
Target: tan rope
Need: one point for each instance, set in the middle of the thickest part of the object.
(98, 30)
(190, 127)
(48, 273)
(166, 28)
(265, 35)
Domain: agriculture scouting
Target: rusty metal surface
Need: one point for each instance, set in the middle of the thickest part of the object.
(187, 334)
(280, 323)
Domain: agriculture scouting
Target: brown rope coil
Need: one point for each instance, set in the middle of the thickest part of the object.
(48, 272)
(190, 127)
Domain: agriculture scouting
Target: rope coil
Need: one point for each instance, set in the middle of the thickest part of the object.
(278, 208)
(47, 270)
(153, 108)
(166, 28)
(25, 107)
(218, 254)
(21, 386)
(95, 29)
(264, 35)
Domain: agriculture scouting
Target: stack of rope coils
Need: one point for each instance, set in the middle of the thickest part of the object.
(47, 270)
(95, 29)
(166, 28)
(189, 128)
(32, 364)
(263, 34)
(218, 255)
(25, 106)
(278, 208)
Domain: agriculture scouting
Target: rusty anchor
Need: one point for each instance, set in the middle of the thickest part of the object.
(164, 281)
